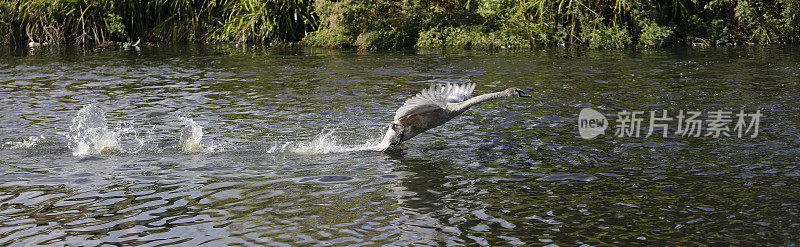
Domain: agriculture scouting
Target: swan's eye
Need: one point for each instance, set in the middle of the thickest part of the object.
(394, 126)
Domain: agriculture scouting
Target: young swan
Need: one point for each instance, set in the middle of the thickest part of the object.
(433, 107)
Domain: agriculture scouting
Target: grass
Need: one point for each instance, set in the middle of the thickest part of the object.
(388, 24)
(85, 22)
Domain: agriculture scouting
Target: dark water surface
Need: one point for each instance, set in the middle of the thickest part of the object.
(106, 147)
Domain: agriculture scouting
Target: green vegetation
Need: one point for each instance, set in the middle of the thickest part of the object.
(386, 24)
(85, 22)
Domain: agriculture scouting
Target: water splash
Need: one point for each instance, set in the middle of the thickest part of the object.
(89, 133)
(323, 143)
(29, 142)
(191, 135)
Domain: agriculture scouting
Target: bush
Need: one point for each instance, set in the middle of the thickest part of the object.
(389, 39)
(329, 37)
(654, 35)
(456, 37)
(718, 32)
(614, 37)
(387, 24)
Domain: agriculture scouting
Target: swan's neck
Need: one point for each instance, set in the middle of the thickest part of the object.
(463, 106)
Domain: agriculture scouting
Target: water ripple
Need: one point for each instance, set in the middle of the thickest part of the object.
(254, 161)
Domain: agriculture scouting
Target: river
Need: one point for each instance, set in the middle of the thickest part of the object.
(222, 145)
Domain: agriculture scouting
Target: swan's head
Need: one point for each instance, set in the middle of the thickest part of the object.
(393, 137)
(396, 134)
(516, 93)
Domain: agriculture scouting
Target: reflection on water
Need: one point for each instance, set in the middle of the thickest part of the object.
(201, 145)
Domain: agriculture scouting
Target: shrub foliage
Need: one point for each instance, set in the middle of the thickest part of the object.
(386, 24)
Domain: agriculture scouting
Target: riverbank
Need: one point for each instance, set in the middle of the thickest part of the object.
(390, 24)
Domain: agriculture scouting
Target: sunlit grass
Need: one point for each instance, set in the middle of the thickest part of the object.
(99, 21)
(379, 24)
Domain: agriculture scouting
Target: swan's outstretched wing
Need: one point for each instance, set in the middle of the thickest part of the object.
(434, 98)
(459, 93)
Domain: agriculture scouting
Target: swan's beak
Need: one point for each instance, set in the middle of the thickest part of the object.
(398, 138)
(523, 94)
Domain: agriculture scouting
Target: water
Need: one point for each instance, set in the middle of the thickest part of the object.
(192, 145)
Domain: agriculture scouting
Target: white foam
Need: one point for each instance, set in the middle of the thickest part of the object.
(89, 133)
(28, 142)
(322, 143)
(191, 135)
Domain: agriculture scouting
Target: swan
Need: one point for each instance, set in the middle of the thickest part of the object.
(433, 107)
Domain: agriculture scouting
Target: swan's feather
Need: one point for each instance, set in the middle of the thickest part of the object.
(434, 98)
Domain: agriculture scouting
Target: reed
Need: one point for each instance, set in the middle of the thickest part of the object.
(98, 21)
(265, 21)
(386, 24)
(53, 21)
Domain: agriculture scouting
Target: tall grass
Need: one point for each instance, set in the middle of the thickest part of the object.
(99, 21)
(264, 21)
(379, 24)
(53, 21)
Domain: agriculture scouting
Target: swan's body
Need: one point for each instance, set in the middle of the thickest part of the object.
(433, 107)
